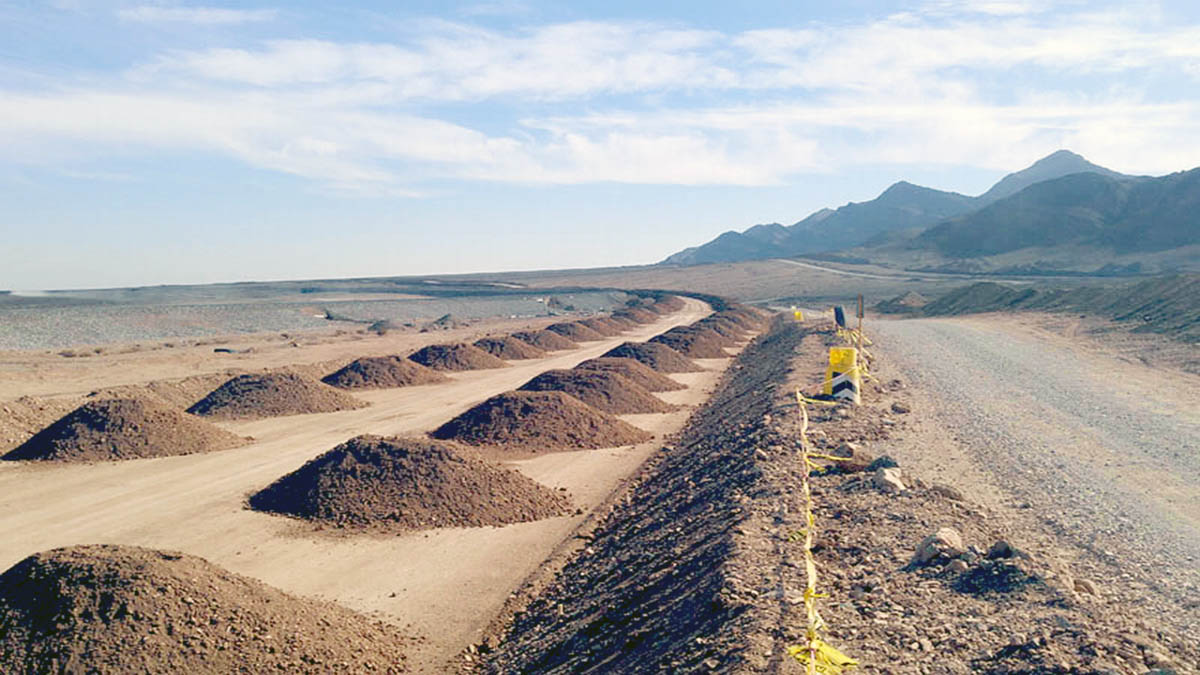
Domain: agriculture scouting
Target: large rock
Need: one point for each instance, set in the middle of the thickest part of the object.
(946, 542)
(888, 480)
(855, 457)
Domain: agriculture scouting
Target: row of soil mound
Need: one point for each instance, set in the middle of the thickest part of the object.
(633, 370)
(575, 331)
(260, 395)
(546, 339)
(508, 347)
(383, 372)
(456, 357)
(109, 609)
(539, 421)
(116, 429)
(605, 327)
(636, 315)
(722, 326)
(401, 484)
(697, 343)
(655, 355)
(602, 389)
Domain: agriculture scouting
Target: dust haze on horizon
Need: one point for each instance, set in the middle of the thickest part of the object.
(145, 144)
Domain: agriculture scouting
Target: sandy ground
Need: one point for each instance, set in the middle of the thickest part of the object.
(444, 585)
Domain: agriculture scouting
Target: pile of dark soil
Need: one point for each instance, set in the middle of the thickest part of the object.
(902, 304)
(383, 372)
(746, 317)
(546, 339)
(404, 484)
(509, 347)
(622, 322)
(113, 429)
(668, 304)
(129, 609)
(696, 343)
(636, 315)
(539, 421)
(655, 355)
(633, 370)
(575, 331)
(723, 327)
(272, 395)
(457, 356)
(605, 327)
(603, 390)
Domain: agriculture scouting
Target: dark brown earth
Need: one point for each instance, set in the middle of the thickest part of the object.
(456, 357)
(397, 485)
(693, 342)
(722, 326)
(109, 609)
(668, 304)
(509, 348)
(539, 421)
(575, 331)
(636, 315)
(601, 389)
(655, 355)
(546, 339)
(633, 370)
(603, 326)
(272, 395)
(114, 429)
(383, 372)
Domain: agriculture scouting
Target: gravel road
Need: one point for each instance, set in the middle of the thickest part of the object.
(1101, 454)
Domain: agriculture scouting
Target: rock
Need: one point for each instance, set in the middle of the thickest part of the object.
(888, 480)
(947, 491)
(946, 542)
(1003, 549)
(1085, 586)
(957, 566)
(857, 459)
(900, 408)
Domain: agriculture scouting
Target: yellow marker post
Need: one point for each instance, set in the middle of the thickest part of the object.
(843, 379)
(798, 315)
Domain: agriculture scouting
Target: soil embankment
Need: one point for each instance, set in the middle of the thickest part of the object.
(254, 396)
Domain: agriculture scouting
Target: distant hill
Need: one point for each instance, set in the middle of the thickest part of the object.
(896, 215)
(1121, 214)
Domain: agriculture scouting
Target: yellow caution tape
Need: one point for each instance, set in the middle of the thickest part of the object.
(817, 655)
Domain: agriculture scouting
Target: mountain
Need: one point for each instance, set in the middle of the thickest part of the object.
(897, 214)
(1054, 165)
(901, 205)
(1121, 214)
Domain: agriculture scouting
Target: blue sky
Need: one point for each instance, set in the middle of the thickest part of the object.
(183, 143)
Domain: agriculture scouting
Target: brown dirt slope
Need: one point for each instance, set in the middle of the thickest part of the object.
(404, 484)
(573, 330)
(654, 592)
(383, 372)
(655, 355)
(113, 429)
(696, 343)
(633, 370)
(636, 315)
(456, 357)
(601, 389)
(722, 326)
(539, 421)
(125, 609)
(272, 395)
(546, 339)
(605, 327)
(509, 347)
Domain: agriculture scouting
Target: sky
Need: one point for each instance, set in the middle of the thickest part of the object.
(157, 143)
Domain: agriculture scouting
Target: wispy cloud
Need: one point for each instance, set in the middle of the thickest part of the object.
(194, 15)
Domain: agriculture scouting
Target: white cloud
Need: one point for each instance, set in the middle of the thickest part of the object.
(194, 15)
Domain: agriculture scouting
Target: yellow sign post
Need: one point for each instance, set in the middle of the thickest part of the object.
(843, 379)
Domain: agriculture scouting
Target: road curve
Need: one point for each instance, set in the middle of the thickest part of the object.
(1104, 452)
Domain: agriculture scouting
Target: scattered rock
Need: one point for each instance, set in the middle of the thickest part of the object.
(1002, 549)
(900, 408)
(948, 491)
(1085, 586)
(888, 480)
(856, 458)
(946, 542)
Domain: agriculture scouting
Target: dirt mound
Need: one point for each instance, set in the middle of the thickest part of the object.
(603, 390)
(696, 343)
(546, 339)
(623, 322)
(746, 317)
(539, 421)
(130, 609)
(668, 304)
(383, 372)
(456, 356)
(636, 315)
(272, 395)
(509, 347)
(605, 327)
(123, 428)
(405, 484)
(655, 355)
(903, 304)
(575, 331)
(633, 370)
(723, 327)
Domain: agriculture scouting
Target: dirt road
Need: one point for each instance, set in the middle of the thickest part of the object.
(443, 585)
(1102, 455)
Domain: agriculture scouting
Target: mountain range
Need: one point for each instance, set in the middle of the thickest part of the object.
(1060, 200)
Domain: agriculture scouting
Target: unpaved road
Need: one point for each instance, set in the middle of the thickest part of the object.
(1103, 452)
(444, 585)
